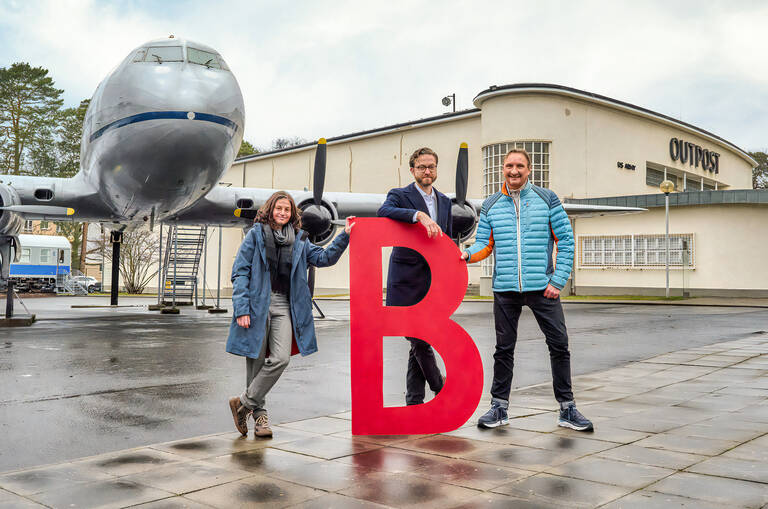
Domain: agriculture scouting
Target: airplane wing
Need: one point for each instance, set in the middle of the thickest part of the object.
(579, 210)
(56, 199)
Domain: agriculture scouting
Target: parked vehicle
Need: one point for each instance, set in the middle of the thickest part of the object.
(89, 282)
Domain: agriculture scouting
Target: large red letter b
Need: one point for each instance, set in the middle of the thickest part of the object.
(429, 320)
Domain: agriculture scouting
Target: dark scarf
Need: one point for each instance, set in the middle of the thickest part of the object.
(279, 247)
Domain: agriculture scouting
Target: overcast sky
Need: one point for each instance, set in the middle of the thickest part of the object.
(313, 69)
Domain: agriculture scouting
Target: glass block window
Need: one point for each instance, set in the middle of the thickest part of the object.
(636, 251)
(493, 162)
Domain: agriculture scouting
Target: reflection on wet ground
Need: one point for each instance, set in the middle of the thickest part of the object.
(682, 429)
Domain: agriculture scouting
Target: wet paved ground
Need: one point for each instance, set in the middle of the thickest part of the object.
(87, 382)
(683, 429)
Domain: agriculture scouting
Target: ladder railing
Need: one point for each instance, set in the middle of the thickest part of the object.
(183, 248)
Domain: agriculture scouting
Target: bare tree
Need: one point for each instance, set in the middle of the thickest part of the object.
(138, 258)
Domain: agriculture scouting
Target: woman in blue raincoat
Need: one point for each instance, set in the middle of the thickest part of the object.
(272, 304)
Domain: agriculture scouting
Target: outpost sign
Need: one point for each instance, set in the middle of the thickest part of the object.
(693, 154)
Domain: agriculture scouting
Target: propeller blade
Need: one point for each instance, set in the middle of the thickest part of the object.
(246, 213)
(462, 174)
(43, 210)
(339, 222)
(319, 180)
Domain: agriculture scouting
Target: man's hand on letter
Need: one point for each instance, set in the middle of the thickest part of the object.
(244, 321)
(551, 292)
(433, 229)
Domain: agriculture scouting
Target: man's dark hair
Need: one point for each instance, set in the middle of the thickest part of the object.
(423, 151)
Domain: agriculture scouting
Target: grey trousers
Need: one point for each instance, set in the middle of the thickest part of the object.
(262, 373)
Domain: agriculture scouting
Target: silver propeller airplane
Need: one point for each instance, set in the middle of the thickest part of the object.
(160, 131)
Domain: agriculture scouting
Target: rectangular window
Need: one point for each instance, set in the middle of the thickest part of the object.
(656, 177)
(24, 258)
(200, 57)
(493, 162)
(636, 251)
(27, 226)
(43, 225)
(162, 54)
(46, 255)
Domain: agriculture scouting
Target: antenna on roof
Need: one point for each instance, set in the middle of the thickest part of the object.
(171, 36)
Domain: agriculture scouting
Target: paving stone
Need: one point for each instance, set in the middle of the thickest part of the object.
(500, 435)
(757, 413)
(324, 475)
(553, 489)
(131, 461)
(607, 433)
(756, 450)
(209, 447)
(37, 480)
(645, 499)
(722, 402)
(377, 439)
(327, 447)
(693, 445)
(526, 458)
(719, 490)
(499, 501)
(173, 503)
(343, 415)
(185, 477)
(470, 474)
(655, 457)
(12, 501)
(262, 461)
(102, 494)
(336, 501)
(644, 423)
(576, 444)
(735, 468)
(543, 422)
(322, 425)
(721, 432)
(391, 460)
(445, 445)
(256, 491)
(618, 473)
(404, 490)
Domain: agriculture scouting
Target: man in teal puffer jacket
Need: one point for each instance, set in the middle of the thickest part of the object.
(523, 224)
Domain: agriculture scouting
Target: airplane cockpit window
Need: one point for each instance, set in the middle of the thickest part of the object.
(140, 54)
(206, 58)
(163, 54)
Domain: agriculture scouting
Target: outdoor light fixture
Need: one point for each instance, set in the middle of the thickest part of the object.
(667, 187)
(450, 99)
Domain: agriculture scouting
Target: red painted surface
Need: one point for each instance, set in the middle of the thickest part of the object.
(429, 320)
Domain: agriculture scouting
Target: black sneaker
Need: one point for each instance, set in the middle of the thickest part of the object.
(496, 416)
(572, 418)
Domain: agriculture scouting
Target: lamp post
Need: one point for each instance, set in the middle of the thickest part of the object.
(667, 187)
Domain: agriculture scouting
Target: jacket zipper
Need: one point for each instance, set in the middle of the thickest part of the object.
(519, 207)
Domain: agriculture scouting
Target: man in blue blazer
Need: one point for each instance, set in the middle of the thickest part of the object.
(409, 276)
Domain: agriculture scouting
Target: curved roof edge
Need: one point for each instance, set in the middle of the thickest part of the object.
(458, 115)
(494, 90)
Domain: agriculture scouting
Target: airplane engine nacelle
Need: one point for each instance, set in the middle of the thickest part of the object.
(317, 220)
(464, 221)
(11, 223)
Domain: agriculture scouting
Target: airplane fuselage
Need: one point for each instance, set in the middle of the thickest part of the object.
(161, 129)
